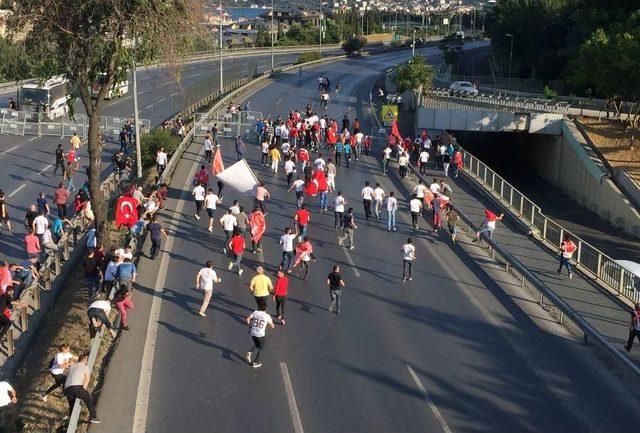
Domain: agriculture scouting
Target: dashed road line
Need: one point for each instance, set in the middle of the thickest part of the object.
(279, 101)
(148, 106)
(291, 398)
(174, 94)
(429, 401)
(9, 150)
(160, 100)
(45, 169)
(291, 90)
(350, 260)
(34, 138)
(17, 190)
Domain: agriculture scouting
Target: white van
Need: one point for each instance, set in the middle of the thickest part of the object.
(116, 90)
(49, 98)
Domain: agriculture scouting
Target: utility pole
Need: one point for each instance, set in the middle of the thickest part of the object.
(271, 33)
(320, 32)
(413, 45)
(136, 119)
(510, 56)
(220, 31)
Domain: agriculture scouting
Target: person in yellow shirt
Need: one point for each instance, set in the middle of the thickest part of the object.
(275, 159)
(261, 286)
(75, 141)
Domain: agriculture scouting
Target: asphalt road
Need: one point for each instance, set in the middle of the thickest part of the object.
(28, 161)
(448, 352)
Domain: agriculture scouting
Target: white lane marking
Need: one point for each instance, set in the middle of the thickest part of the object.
(350, 260)
(291, 398)
(34, 138)
(9, 150)
(279, 101)
(430, 403)
(174, 94)
(148, 106)
(193, 76)
(160, 100)
(291, 90)
(45, 169)
(144, 382)
(17, 190)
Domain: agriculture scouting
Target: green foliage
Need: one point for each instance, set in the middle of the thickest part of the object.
(354, 44)
(451, 57)
(414, 74)
(549, 93)
(309, 57)
(14, 62)
(150, 144)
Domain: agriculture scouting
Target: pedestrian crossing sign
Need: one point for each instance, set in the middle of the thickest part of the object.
(389, 113)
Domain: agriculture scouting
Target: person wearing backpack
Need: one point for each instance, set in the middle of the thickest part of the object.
(567, 249)
(57, 366)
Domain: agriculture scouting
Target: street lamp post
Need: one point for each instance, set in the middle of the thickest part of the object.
(271, 33)
(413, 44)
(221, 84)
(136, 119)
(510, 56)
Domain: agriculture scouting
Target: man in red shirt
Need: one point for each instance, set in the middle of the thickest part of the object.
(237, 246)
(32, 244)
(302, 218)
(280, 294)
(60, 196)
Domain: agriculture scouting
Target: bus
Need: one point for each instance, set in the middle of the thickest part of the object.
(49, 98)
(116, 90)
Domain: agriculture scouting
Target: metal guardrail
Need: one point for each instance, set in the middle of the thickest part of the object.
(588, 258)
(513, 266)
(444, 98)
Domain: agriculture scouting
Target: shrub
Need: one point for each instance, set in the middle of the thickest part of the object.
(151, 142)
(309, 57)
(354, 44)
(549, 93)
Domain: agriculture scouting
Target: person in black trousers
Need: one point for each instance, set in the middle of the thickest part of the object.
(156, 232)
(76, 387)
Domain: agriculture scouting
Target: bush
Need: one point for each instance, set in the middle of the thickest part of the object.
(549, 93)
(151, 142)
(309, 57)
(354, 44)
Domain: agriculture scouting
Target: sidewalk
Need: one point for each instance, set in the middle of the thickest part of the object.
(602, 311)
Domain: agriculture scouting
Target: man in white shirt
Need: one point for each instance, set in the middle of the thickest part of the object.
(386, 156)
(228, 223)
(235, 208)
(40, 224)
(359, 139)
(298, 185)
(319, 163)
(264, 157)
(210, 202)
(392, 208)
(403, 162)
(204, 281)
(199, 193)
(258, 320)
(423, 158)
(289, 170)
(286, 241)
(419, 189)
(161, 161)
(61, 361)
(367, 196)
(408, 256)
(208, 149)
(415, 206)
(435, 187)
(338, 206)
(331, 176)
(285, 148)
(378, 197)
(8, 402)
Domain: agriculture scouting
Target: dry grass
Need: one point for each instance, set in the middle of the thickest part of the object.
(619, 145)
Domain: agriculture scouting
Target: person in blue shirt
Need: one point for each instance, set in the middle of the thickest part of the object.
(260, 126)
(339, 150)
(347, 153)
(43, 204)
(126, 273)
(57, 228)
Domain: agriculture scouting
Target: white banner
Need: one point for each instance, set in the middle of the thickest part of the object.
(240, 177)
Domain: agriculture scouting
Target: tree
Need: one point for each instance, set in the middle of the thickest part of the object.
(84, 38)
(415, 75)
(354, 44)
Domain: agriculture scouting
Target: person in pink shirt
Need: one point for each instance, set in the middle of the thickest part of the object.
(261, 195)
(5, 277)
(32, 244)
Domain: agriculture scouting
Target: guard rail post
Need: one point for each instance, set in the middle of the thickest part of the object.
(47, 279)
(11, 348)
(24, 319)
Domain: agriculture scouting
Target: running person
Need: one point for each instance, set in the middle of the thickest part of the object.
(335, 283)
(237, 246)
(204, 281)
(258, 320)
(408, 256)
(280, 295)
(210, 202)
(378, 197)
(199, 194)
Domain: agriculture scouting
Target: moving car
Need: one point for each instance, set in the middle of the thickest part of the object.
(462, 88)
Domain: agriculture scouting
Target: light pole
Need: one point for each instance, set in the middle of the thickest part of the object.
(509, 35)
(271, 33)
(221, 84)
(320, 32)
(413, 44)
(136, 119)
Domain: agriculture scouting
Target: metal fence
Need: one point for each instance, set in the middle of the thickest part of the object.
(515, 84)
(443, 98)
(587, 257)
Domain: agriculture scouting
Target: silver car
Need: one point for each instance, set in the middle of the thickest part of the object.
(462, 88)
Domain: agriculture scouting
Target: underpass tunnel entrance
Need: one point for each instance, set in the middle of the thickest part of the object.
(530, 162)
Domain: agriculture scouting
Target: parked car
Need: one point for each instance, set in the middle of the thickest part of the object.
(462, 88)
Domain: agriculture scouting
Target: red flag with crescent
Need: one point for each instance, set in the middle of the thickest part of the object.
(258, 225)
(217, 166)
(322, 180)
(126, 211)
(312, 187)
(395, 131)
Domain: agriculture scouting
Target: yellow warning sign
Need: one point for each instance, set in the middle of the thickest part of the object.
(389, 113)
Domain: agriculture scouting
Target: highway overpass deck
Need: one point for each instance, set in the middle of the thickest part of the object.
(457, 349)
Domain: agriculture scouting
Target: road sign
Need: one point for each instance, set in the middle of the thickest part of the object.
(389, 113)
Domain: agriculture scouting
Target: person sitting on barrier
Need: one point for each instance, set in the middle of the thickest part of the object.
(57, 366)
(7, 303)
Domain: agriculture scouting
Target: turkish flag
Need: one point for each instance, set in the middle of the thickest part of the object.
(312, 187)
(395, 131)
(126, 211)
(258, 225)
(217, 166)
(322, 180)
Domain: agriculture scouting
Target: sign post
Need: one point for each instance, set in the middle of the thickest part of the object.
(389, 113)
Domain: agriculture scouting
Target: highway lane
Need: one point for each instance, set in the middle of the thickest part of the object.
(449, 351)
(28, 161)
